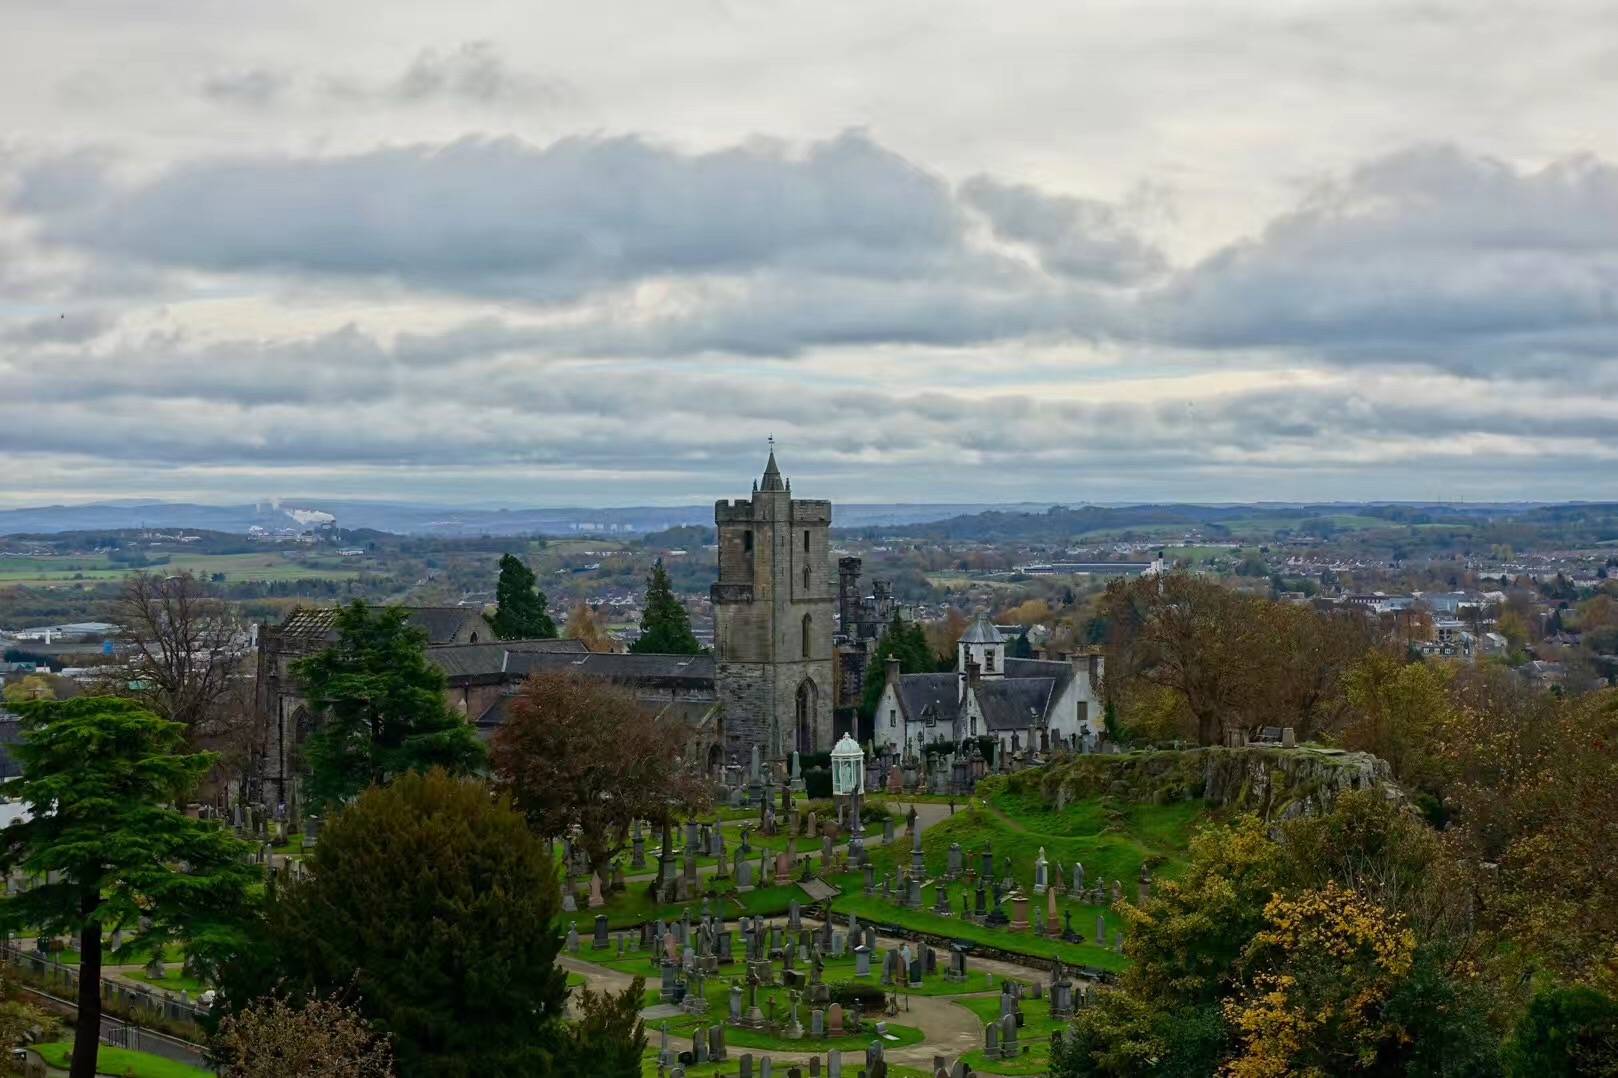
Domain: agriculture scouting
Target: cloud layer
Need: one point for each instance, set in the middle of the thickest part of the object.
(444, 269)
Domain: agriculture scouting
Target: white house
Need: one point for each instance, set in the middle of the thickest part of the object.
(1046, 703)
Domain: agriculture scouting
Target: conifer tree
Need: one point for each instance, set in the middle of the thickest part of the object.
(100, 776)
(905, 641)
(383, 705)
(431, 904)
(521, 611)
(665, 627)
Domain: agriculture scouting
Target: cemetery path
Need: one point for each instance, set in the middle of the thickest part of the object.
(598, 978)
(1010, 824)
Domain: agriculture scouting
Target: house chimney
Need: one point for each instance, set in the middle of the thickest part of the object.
(974, 673)
(893, 670)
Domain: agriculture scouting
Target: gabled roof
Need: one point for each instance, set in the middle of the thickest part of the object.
(982, 631)
(934, 695)
(1014, 703)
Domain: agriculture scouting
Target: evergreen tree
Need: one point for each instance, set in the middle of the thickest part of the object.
(665, 627)
(520, 613)
(108, 850)
(383, 705)
(430, 904)
(904, 640)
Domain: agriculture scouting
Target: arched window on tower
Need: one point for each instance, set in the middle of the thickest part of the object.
(808, 634)
(805, 578)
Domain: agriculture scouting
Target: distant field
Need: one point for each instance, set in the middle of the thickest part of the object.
(267, 566)
(961, 581)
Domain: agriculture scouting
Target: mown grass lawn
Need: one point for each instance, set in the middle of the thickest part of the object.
(122, 1062)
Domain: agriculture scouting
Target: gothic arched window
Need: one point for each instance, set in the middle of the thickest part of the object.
(808, 634)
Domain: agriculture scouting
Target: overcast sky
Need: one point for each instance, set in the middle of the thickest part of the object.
(542, 253)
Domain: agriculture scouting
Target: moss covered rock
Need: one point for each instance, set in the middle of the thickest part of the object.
(1270, 781)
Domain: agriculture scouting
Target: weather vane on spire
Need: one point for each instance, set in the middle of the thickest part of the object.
(772, 443)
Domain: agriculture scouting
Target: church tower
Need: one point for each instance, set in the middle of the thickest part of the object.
(774, 608)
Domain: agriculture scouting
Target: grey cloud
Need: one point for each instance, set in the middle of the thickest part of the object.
(1074, 237)
(65, 327)
(254, 87)
(1429, 255)
(546, 223)
(474, 71)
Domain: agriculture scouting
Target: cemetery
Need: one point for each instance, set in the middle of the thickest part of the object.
(932, 921)
(787, 936)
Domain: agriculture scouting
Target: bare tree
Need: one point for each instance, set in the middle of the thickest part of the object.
(322, 1038)
(183, 645)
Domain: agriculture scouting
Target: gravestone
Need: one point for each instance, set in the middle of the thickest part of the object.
(600, 942)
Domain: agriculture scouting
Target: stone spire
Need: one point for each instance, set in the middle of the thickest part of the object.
(772, 474)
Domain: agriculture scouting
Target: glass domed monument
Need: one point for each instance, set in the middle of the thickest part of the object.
(847, 768)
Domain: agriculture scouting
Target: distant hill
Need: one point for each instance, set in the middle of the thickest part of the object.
(406, 518)
(1499, 522)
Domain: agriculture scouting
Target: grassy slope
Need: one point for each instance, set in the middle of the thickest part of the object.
(1110, 839)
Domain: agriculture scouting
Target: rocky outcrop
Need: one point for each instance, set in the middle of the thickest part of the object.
(1273, 782)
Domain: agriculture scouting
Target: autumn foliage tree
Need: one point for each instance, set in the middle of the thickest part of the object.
(585, 627)
(1224, 660)
(578, 752)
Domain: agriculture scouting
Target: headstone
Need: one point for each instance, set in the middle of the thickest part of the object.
(1101, 930)
(862, 961)
(1078, 878)
(600, 942)
(817, 1023)
(834, 1019)
(1041, 873)
(572, 938)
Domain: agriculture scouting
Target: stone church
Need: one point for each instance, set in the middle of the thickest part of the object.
(770, 682)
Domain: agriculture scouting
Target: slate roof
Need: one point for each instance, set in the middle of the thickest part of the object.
(983, 631)
(1059, 670)
(442, 623)
(1014, 703)
(693, 713)
(487, 660)
(689, 671)
(919, 692)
